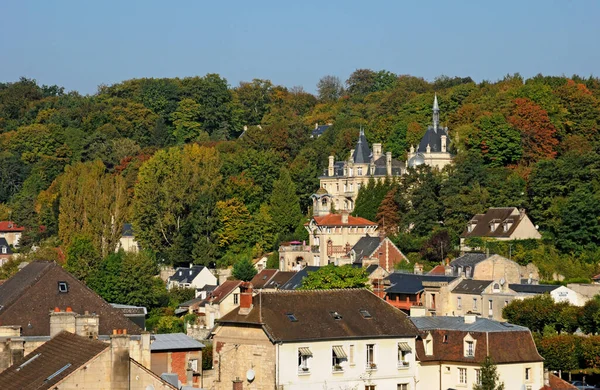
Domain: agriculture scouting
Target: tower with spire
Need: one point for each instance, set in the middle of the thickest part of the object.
(433, 150)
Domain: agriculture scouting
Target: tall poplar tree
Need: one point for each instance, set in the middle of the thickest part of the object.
(284, 204)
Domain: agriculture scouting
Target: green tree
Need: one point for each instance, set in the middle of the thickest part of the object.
(499, 142)
(83, 258)
(329, 89)
(332, 276)
(490, 379)
(244, 270)
(533, 313)
(186, 120)
(284, 204)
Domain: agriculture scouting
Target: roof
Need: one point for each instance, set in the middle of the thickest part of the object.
(362, 153)
(371, 268)
(458, 323)
(500, 215)
(557, 383)
(223, 291)
(365, 247)
(10, 226)
(4, 243)
(533, 288)
(280, 278)
(51, 363)
(127, 230)
(469, 260)
(130, 309)
(401, 283)
(320, 130)
(336, 220)
(186, 274)
(433, 138)
(313, 319)
(469, 286)
(438, 270)
(28, 297)
(261, 279)
(296, 280)
(174, 342)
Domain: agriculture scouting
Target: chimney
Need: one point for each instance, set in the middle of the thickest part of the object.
(17, 350)
(331, 161)
(245, 298)
(521, 213)
(87, 325)
(470, 318)
(418, 270)
(119, 360)
(316, 125)
(238, 384)
(376, 151)
(418, 311)
(345, 217)
(388, 163)
(62, 320)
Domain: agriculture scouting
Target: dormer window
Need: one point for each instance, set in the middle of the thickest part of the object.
(428, 343)
(335, 315)
(469, 346)
(471, 226)
(494, 225)
(506, 225)
(4, 250)
(63, 287)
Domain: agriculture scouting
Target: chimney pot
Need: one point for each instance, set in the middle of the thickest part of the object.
(114, 331)
(124, 331)
(245, 298)
(56, 310)
(69, 310)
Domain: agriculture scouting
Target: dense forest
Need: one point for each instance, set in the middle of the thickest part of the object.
(207, 172)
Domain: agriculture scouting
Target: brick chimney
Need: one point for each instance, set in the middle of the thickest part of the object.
(245, 298)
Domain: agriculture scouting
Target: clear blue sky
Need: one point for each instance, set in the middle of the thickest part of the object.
(80, 44)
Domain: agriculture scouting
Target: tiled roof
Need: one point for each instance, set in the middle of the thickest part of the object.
(130, 309)
(10, 226)
(557, 383)
(468, 260)
(532, 288)
(41, 369)
(280, 278)
(222, 291)
(438, 270)
(27, 298)
(320, 130)
(127, 230)
(296, 280)
(185, 274)
(174, 342)
(261, 279)
(313, 318)
(362, 152)
(499, 214)
(336, 220)
(401, 283)
(469, 286)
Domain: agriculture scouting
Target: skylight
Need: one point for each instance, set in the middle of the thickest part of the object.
(57, 373)
(63, 287)
(365, 313)
(291, 317)
(335, 315)
(28, 361)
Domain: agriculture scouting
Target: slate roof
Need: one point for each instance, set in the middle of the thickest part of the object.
(64, 349)
(174, 342)
(4, 243)
(127, 230)
(320, 130)
(468, 260)
(280, 278)
(296, 280)
(27, 298)
(186, 274)
(500, 214)
(372, 268)
(261, 279)
(532, 288)
(432, 138)
(381, 167)
(365, 247)
(336, 220)
(362, 152)
(10, 226)
(402, 283)
(130, 309)
(458, 323)
(469, 286)
(314, 321)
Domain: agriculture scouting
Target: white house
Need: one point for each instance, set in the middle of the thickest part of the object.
(196, 276)
(324, 339)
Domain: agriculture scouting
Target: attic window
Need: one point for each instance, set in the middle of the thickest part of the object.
(335, 315)
(365, 313)
(445, 338)
(291, 317)
(63, 287)
(4, 251)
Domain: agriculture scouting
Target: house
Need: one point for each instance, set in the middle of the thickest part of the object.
(343, 179)
(296, 280)
(40, 288)
(331, 236)
(260, 263)
(407, 290)
(499, 223)
(433, 150)
(558, 293)
(11, 232)
(375, 250)
(194, 276)
(295, 255)
(314, 340)
(127, 242)
(553, 382)
(69, 361)
(5, 251)
(480, 266)
(222, 300)
(260, 280)
(137, 314)
(319, 130)
(278, 280)
(176, 353)
(450, 351)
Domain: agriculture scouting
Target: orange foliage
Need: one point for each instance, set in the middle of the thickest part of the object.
(538, 134)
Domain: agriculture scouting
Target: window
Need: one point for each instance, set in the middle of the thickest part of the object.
(63, 287)
(528, 374)
(429, 345)
(369, 387)
(193, 365)
(351, 355)
(304, 357)
(338, 356)
(475, 304)
(236, 299)
(403, 351)
(402, 386)
(505, 303)
(371, 365)
(478, 376)
(445, 339)
(291, 317)
(462, 376)
(459, 303)
(4, 250)
(365, 314)
(490, 308)
(469, 349)
(335, 315)
(496, 287)
(359, 171)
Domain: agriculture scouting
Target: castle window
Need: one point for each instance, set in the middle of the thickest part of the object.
(359, 171)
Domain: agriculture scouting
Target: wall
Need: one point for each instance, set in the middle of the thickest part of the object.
(497, 267)
(128, 243)
(238, 349)
(177, 363)
(525, 230)
(214, 311)
(340, 236)
(321, 375)
(203, 278)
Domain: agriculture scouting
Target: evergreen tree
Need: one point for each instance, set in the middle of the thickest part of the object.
(244, 270)
(490, 379)
(284, 204)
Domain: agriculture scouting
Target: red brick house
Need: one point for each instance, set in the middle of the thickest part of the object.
(179, 354)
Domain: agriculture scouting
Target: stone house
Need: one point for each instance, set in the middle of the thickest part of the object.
(220, 301)
(5, 251)
(69, 361)
(194, 276)
(343, 179)
(480, 266)
(374, 250)
(127, 242)
(433, 149)
(499, 223)
(314, 340)
(11, 232)
(450, 351)
(176, 353)
(404, 291)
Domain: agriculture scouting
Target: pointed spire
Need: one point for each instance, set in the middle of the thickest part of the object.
(435, 103)
(436, 113)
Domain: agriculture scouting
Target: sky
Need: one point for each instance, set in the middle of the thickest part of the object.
(81, 44)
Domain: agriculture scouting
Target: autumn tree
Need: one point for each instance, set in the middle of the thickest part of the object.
(186, 120)
(83, 257)
(538, 134)
(388, 217)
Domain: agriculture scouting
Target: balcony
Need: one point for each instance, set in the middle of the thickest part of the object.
(303, 370)
(403, 365)
(371, 367)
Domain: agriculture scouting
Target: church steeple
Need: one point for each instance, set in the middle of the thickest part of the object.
(436, 114)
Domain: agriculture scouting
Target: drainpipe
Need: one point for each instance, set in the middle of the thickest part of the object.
(277, 364)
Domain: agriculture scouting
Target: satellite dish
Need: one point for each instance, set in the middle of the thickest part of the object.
(250, 375)
(502, 281)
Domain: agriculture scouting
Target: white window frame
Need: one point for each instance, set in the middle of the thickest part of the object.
(371, 356)
(462, 375)
(478, 376)
(304, 363)
(469, 348)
